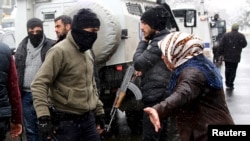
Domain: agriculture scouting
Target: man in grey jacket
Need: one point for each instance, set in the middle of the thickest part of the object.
(68, 73)
(29, 57)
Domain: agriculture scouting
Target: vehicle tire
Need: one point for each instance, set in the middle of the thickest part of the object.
(109, 35)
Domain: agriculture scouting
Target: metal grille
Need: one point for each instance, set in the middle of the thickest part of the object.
(134, 9)
(148, 7)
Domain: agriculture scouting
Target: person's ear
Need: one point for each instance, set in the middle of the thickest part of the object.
(68, 27)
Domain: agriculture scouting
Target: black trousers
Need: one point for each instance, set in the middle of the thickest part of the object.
(230, 73)
(77, 129)
(4, 128)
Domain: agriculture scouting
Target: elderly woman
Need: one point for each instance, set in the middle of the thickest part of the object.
(197, 97)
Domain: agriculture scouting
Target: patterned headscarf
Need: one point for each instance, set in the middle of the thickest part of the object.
(184, 50)
(179, 47)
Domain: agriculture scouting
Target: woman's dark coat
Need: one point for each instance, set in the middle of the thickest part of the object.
(196, 105)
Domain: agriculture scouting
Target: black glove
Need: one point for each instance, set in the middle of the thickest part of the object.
(45, 127)
(100, 120)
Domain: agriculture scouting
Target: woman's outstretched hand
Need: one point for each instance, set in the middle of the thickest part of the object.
(154, 118)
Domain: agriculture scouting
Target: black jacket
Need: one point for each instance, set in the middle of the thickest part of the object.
(5, 53)
(231, 46)
(156, 75)
(21, 54)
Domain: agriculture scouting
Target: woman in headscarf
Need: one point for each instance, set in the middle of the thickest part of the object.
(197, 97)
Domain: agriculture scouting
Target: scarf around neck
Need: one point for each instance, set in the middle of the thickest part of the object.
(211, 72)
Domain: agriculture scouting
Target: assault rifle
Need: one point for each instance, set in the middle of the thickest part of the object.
(121, 92)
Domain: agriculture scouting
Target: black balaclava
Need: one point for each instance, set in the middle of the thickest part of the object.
(85, 18)
(156, 18)
(35, 39)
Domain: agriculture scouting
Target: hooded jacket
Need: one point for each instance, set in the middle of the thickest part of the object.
(69, 75)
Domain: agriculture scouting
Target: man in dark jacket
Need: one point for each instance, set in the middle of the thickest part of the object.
(10, 107)
(29, 57)
(149, 65)
(231, 45)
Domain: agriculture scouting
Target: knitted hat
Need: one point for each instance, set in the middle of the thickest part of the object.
(156, 17)
(179, 47)
(85, 18)
(235, 27)
(34, 22)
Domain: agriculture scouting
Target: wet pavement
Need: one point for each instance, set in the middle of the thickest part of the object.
(238, 99)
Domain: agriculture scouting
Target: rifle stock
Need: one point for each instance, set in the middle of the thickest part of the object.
(119, 99)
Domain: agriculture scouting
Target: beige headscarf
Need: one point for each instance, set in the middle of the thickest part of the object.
(178, 47)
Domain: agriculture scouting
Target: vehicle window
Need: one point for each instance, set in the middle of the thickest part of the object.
(8, 38)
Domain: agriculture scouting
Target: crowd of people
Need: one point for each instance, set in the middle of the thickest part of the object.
(50, 89)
